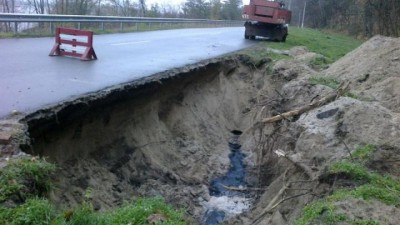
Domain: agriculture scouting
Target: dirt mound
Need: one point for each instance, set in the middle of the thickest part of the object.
(327, 134)
(373, 69)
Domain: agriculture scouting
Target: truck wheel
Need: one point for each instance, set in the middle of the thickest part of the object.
(252, 37)
(284, 38)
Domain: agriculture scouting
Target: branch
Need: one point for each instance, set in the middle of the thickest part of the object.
(299, 165)
(343, 87)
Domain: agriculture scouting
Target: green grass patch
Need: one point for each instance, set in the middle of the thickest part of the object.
(360, 98)
(25, 178)
(323, 210)
(331, 82)
(139, 212)
(37, 211)
(363, 153)
(24, 183)
(355, 170)
(320, 62)
(375, 186)
(34, 211)
(332, 46)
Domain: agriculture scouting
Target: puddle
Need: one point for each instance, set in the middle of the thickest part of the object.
(224, 201)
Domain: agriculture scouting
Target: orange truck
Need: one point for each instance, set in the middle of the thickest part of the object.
(268, 19)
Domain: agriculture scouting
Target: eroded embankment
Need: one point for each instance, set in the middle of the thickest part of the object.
(163, 136)
(168, 135)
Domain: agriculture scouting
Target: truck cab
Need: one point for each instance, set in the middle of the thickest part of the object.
(266, 19)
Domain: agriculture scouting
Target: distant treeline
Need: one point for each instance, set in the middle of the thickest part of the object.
(196, 9)
(357, 17)
(199, 9)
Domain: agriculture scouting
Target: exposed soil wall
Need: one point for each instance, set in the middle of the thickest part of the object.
(167, 135)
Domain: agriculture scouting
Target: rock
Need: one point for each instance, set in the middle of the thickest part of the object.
(5, 138)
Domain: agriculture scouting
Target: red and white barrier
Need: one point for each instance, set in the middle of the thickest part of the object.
(74, 43)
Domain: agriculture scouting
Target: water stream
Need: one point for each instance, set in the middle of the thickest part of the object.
(226, 202)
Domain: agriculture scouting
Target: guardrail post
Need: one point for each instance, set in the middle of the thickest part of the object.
(79, 25)
(121, 27)
(51, 28)
(102, 26)
(16, 27)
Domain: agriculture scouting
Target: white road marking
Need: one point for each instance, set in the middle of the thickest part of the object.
(131, 43)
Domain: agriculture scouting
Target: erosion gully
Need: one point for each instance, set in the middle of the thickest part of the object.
(174, 134)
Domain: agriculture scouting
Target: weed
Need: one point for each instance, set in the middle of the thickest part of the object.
(320, 209)
(365, 222)
(34, 211)
(320, 62)
(375, 186)
(360, 98)
(38, 211)
(138, 213)
(355, 170)
(84, 215)
(25, 178)
(364, 153)
(331, 82)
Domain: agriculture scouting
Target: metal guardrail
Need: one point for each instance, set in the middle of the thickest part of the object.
(48, 18)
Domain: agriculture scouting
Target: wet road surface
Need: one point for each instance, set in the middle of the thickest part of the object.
(30, 79)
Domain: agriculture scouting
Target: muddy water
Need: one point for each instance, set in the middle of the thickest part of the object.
(226, 202)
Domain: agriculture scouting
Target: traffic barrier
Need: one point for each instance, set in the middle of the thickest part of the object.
(74, 43)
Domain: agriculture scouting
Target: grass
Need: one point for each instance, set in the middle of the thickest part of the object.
(358, 97)
(25, 178)
(364, 152)
(320, 62)
(331, 82)
(375, 186)
(139, 212)
(38, 211)
(24, 184)
(34, 211)
(331, 46)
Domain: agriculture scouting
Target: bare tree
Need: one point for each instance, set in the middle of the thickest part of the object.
(142, 7)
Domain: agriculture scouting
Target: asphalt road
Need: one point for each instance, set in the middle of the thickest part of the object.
(30, 79)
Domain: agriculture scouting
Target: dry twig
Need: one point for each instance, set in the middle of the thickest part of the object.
(343, 87)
